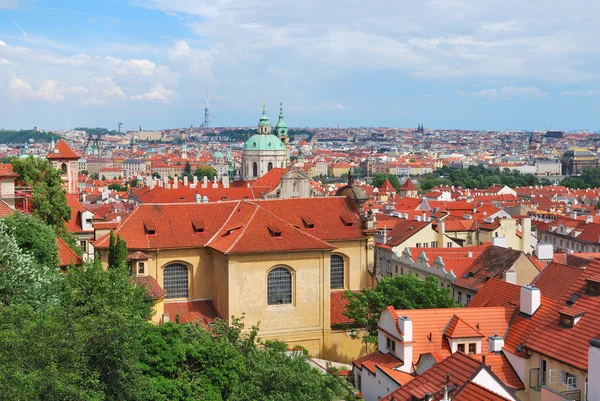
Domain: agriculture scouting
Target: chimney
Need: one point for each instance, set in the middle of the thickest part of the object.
(594, 368)
(531, 299)
(405, 348)
(215, 183)
(176, 182)
(544, 251)
(384, 234)
(589, 219)
(205, 182)
(495, 343)
(510, 276)
(225, 181)
(469, 254)
(185, 180)
(197, 198)
(526, 235)
(441, 234)
(195, 180)
(573, 215)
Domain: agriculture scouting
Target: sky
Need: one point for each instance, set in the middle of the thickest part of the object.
(464, 64)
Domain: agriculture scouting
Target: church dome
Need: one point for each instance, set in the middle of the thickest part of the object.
(218, 155)
(264, 142)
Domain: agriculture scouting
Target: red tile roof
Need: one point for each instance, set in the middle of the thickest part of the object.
(492, 262)
(337, 306)
(66, 256)
(5, 209)
(474, 392)
(408, 186)
(154, 290)
(202, 311)
(387, 186)
(378, 358)
(6, 171)
(403, 230)
(62, 151)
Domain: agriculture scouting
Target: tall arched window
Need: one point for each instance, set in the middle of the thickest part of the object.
(337, 271)
(176, 280)
(279, 286)
(269, 166)
(254, 169)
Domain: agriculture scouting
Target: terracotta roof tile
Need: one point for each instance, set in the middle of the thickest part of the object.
(377, 359)
(202, 311)
(154, 290)
(5, 209)
(62, 151)
(492, 263)
(66, 256)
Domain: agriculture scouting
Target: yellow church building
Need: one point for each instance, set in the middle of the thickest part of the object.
(282, 263)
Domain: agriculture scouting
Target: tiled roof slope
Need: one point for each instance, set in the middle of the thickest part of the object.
(492, 263)
(5, 209)
(185, 194)
(460, 368)
(387, 360)
(62, 151)
(403, 230)
(202, 311)
(241, 226)
(154, 290)
(66, 256)
(570, 345)
(430, 325)
(473, 391)
(6, 171)
(556, 279)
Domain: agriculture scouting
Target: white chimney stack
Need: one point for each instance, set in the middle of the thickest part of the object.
(195, 180)
(510, 276)
(185, 180)
(544, 251)
(205, 182)
(405, 348)
(175, 182)
(531, 299)
(526, 235)
(495, 343)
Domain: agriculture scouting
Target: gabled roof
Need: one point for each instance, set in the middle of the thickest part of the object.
(5, 209)
(6, 171)
(378, 358)
(66, 256)
(492, 262)
(387, 186)
(458, 328)
(154, 290)
(408, 186)
(403, 230)
(62, 151)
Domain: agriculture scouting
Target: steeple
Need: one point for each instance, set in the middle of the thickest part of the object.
(264, 126)
(281, 127)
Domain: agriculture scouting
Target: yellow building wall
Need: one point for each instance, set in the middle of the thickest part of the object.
(345, 346)
(158, 308)
(526, 270)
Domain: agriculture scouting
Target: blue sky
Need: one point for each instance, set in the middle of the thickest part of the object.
(485, 64)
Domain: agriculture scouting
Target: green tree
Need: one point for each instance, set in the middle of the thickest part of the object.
(400, 292)
(49, 199)
(379, 179)
(204, 171)
(120, 253)
(187, 169)
(22, 279)
(111, 249)
(34, 237)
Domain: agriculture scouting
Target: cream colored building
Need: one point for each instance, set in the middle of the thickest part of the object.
(279, 262)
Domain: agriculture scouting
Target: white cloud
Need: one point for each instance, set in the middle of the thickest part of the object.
(580, 93)
(156, 93)
(9, 3)
(2, 43)
(506, 92)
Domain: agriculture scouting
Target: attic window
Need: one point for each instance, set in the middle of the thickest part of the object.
(566, 321)
(593, 286)
(308, 222)
(275, 231)
(348, 220)
(149, 227)
(198, 226)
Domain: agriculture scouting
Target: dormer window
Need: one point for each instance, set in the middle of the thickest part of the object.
(566, 321)
(348, 220)
(275, 231)
(308, 222)
(568, 317)
(141, 268)
(592, 286)
(149, 227)
(198, 226)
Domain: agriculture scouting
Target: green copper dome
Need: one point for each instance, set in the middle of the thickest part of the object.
(264, 142)
(264, 120)
(218, 155)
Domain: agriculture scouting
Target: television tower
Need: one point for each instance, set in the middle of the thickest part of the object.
(206, 113)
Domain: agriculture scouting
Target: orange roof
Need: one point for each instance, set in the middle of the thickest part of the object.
(66, 256)
(6, 170)
(408, 186)
(378, 358)
(268, 182)
(492, 262)
(459, 329)
(337, 307)
(62, 151)
(473, 391)
(202, 311)
(154, 290)
(387, 186)
(5, 209)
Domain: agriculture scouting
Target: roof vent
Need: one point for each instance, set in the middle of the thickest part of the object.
(572, 299)
(149, 227)
(308, 222)
(348, 220)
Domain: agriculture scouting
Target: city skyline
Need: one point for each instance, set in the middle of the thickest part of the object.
(458, 64)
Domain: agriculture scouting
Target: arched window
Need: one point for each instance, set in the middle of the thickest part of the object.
(63, 168)
(254, 169)
(176, 280)
(269, 166)
(337, 272)
(279, 286)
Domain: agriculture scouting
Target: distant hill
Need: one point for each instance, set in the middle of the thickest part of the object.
(23, 136)
(98, 131)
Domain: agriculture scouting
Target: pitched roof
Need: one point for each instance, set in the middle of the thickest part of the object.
(337, 306)
(403, 230)
(66, 256)
(387, 186)
(377, 358)
(5, 209)
(241, 226)
(408, 186)
(6, 171)
(62, 151)
(202, 311)
(458, 328)
(154, 290)
(473, 391)
(492, 262)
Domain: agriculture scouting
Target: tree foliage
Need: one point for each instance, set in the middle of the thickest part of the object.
(22, 279)
(476, 177)
(379, 179)
(205, 171)
(589, 178)
(117, 252)
(34, 237)
(401, 292)
(49, 199)
(23, 135)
